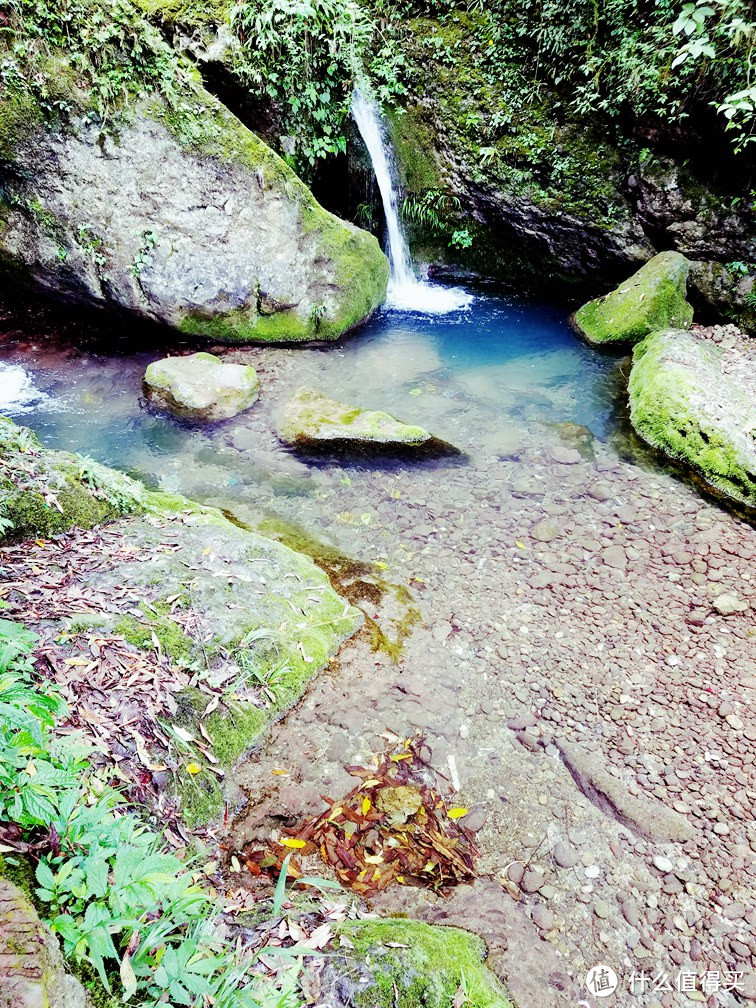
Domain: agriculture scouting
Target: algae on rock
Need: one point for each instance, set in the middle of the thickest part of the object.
(684, 404)
(397, 963)
(312, 421)
(265, 619)
(651, 299)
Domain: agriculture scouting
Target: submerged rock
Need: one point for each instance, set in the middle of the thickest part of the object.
(312, 421)
(392, 961)
(201, 387)
(684, 402)
(652, 299)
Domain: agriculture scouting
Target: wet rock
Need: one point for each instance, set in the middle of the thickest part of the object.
(566, 456)
(652, 299)
(532, 881)
(201, 387)
(312, 421)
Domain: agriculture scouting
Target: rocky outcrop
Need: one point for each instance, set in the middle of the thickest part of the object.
(651, 299)
(313, 422)
(201, 387)
(696, 402)
(184, 217)
(252, 603)
(32, 971)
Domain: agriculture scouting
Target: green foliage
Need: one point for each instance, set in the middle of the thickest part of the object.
(92, 53)
(117, 898)
(666, 60)
(431, 209)
(305, 55)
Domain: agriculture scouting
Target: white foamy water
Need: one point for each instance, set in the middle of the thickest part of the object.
(17, 391)
(405, 291)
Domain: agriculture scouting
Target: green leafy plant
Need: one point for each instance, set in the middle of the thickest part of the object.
(118, 899)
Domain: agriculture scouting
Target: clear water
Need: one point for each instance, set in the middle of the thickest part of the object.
(483, 379)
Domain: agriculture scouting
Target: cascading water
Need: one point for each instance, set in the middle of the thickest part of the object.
(405, 290)
(17, 391)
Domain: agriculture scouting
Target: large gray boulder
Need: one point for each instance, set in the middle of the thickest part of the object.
(182, 216)
(201, 387)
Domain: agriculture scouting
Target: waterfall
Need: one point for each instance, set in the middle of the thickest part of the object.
(405, 290)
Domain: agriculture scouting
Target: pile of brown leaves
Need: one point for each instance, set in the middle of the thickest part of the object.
(393, 827)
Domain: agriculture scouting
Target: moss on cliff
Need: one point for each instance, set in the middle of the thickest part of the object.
(408, 964)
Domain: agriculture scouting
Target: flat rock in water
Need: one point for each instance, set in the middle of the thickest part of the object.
(201, 387)
(313, 422)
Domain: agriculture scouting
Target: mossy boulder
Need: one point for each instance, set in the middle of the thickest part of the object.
(684, 402)
(176, 212)
(398, 963)
(201, 386)
(261, 618)
(310, 421)
(46, 492)
(652, 299)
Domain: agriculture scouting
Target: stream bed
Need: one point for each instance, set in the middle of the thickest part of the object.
(566, 648)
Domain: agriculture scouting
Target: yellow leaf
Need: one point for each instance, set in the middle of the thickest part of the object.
(206, 551)
(371, 783)
(41, 543)
(30, 768)
(520, 545)
(381, 564)
(280, 773)
(374, 858)
(396, 494)
(415, 391)
(366, 805)
(396, 759)
(457, 813)
(193, 768)
(290, 842)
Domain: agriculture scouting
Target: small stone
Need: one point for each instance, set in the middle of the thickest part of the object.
(663, 864)
(728, 604)
(614, 556)
(565, 855)
(543, 918)
(566, 456)
(532, 881)
(544, 531)
(734, 722)
(602, 909)
(592, 871)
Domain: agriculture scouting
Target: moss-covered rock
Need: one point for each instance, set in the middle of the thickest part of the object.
(261, 618)
(652, 299)
(32, 971)
(398, 963)
(176, 212)
(201, 387)
(45, 492)
(685, 404)
(311, 421)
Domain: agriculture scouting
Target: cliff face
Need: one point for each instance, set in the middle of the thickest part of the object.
(179, 214)
(545, 193)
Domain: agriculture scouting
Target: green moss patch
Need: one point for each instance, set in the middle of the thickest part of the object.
(683, 404)
(408, 964)
(652, 299)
